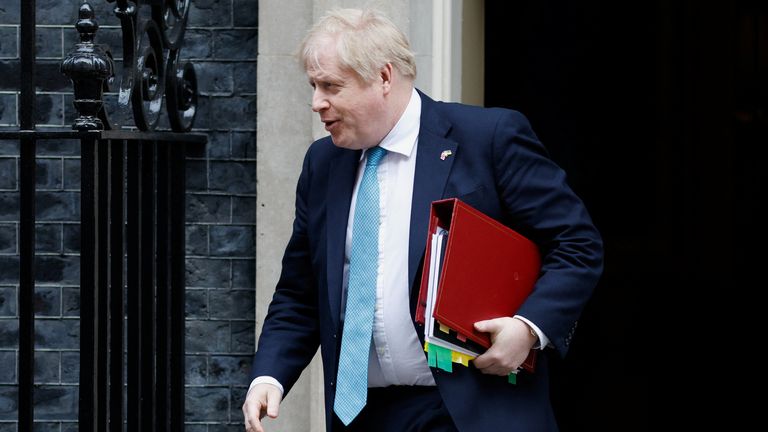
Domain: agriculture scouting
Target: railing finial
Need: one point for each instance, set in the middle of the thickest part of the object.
(86, 24)
(88, 65)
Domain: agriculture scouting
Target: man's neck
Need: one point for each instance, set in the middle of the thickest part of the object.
(401, 95)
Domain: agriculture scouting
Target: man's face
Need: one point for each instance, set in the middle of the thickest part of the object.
(352, 110)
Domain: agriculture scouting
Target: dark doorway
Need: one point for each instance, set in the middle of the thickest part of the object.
(657, 111)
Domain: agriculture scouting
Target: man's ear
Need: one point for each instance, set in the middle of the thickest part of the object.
(386, 75)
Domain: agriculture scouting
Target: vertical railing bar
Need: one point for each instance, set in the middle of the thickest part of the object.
(102, 287)
(163, 287)
(134, 292)
(27, 165)
(116, 307)
(178, 206)
(147, 282)
(26, 283)
(27, 69)
(87, 415)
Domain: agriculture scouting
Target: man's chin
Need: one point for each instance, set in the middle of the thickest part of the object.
(341, 143)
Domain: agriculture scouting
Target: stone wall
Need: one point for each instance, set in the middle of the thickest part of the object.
(221, 40)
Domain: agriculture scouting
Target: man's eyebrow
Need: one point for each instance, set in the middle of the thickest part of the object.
(323, 75)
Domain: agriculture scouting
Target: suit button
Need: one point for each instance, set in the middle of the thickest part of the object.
(334, 335)
(332, 383)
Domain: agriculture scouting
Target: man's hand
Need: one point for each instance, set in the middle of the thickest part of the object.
(261, 400)
(511, 340)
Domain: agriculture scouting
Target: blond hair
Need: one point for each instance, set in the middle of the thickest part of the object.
(366, 40)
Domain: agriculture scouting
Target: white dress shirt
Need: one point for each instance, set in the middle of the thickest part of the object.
(397, 357)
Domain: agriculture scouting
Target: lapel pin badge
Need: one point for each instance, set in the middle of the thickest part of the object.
(445, 154)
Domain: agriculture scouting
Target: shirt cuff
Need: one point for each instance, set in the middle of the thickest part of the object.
(543, 339)
(267, 380)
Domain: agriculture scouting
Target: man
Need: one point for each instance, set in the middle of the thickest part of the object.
(349, 276)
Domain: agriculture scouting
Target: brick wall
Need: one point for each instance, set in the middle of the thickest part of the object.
(221, 40)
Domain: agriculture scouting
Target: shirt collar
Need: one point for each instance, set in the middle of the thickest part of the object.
(402, 138)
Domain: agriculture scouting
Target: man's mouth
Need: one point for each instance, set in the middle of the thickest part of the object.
(329, 124)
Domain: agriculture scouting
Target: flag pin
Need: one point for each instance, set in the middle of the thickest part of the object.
(445, 154)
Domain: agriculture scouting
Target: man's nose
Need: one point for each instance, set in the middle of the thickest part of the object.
(319, 102)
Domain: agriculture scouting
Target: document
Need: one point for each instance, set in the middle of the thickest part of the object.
(434, 332)
(475, 269)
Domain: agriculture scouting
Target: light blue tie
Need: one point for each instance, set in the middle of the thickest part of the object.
(352, 377)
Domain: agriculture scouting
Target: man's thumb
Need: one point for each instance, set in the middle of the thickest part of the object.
(484, 326)
(273, 403)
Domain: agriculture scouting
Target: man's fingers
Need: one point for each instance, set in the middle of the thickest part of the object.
(481, 362)
(252, 411)
(489, 363)
(510, 344)
(485, 360)
(262, 400)
(253, 414)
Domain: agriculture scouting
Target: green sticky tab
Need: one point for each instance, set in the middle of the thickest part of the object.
(512, 378)
(432, 356)
(443, 358)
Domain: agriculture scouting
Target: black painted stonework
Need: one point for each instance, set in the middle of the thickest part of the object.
(56, 147)
(8, 47)
(196, 240)
(9, 270)
(8, 371)
(234, 241)
(70, 302)
(208, 208)
(48, 238)
(7, 301)
(8, 173)
(197, 369)
(227, 370)
(230, 304)
(7, 106)
(196, 303)
(243, 273)
(47, 366)
(9, 333)
(70, 367)
(206, 273)
(48, 301)
(207, 403)
(210, 13)
(48, 173)
(221, 40)
(8, 238)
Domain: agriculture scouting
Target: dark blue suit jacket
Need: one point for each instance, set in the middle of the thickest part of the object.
(499, 167)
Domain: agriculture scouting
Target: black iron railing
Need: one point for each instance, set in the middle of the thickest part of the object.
(132, 217)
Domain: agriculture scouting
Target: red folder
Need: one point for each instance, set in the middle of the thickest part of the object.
(488, 271)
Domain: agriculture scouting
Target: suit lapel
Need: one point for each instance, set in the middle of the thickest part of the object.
(432, 169)
(341, 181)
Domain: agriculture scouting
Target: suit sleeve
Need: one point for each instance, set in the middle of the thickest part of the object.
(540, 204)
(290, 335)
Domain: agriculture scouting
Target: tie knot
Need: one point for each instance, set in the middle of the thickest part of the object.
(374, 155)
